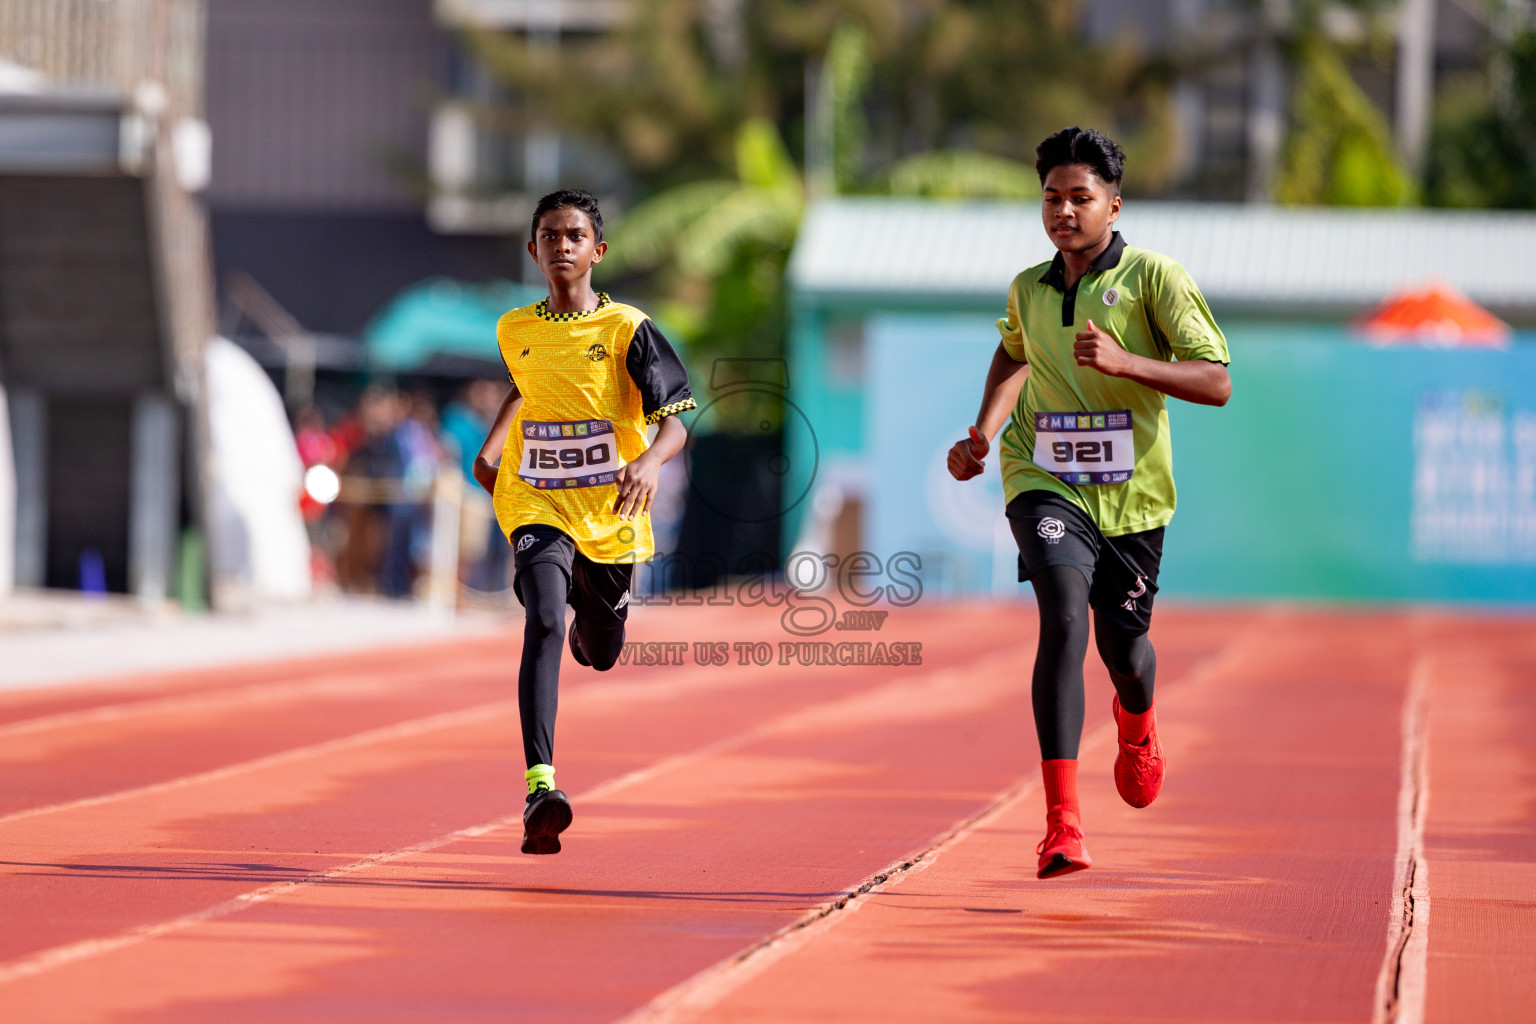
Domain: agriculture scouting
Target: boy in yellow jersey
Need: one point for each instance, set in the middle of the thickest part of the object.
(1093, 344)
(575, 481)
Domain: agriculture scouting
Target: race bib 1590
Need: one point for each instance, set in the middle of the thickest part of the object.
(580, 453)
(1086, 447)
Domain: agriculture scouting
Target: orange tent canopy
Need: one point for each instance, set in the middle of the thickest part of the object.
(1434, 315)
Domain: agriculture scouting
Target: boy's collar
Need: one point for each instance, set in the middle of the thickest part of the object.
(541, 310)
(1056, 276)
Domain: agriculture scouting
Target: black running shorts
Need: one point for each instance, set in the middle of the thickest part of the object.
(1121, 571)
(599, 591)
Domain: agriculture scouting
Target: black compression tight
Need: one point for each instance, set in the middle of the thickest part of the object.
(543, 587)
(1057, 690)
(1132, 664)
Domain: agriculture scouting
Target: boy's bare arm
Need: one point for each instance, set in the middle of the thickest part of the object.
(637, 480)
(490, 452)
(1198, 380)
(1005, 379)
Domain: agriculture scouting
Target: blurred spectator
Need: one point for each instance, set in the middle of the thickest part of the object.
(420, 454)
(316, 448)
(409, 517)
(389, 451)
(466, 421)
(316, 445)
(375, 464)
(347, 436)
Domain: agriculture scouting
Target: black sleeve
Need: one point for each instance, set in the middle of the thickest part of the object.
(658, 373)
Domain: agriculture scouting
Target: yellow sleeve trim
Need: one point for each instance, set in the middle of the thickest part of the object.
(668, 410)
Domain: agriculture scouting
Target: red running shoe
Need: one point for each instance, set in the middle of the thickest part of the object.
(1138, 770)
(1062, 851)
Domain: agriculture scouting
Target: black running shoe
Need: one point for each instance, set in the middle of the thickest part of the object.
(547, 815)
(575, 646)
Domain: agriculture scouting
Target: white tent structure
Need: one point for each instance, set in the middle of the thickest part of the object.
(257, 547)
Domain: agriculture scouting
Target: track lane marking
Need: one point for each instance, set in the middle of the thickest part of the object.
(400, 730)
(131, 698)
(1402, 982)
(707, 989)
(653, 690)
(691, 679)
(243, 696)
(37, 963)
(308, 683)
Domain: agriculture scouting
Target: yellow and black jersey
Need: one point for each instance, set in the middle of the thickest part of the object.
(591, 382)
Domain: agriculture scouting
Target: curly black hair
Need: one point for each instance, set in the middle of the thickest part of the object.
(579, 198)
(1078, 146)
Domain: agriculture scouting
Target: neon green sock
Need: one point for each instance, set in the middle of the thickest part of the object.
(540, 774)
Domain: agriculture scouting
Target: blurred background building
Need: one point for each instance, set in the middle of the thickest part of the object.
(105, 292)
(323, 112)
(341, 187)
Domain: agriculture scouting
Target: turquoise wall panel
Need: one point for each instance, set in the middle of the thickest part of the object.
(1337, 471)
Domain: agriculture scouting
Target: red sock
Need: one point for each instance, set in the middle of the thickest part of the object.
(1135, 729)
(1061, 786)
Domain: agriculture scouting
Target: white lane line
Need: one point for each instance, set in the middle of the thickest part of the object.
(59, 956)
(680, 684)
(1402, 980)
(710, 987)
(84, 949)
(653, 690)
(400, 730)
(244, 696)
(707, 989)
(107, 652)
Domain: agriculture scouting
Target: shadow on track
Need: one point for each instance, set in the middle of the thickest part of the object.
(268, 873)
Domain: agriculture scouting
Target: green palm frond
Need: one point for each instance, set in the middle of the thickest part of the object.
(648, 233)
(1339, 151)
(701, 225)
(768, 216)
(963, 174)
(762, 160)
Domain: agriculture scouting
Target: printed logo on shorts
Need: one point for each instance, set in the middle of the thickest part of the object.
(1111, 297)
(622, 601)
(525, 542)
(1135, 592)
(1052, 530)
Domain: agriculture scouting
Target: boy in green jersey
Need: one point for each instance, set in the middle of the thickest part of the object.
(1093, 342)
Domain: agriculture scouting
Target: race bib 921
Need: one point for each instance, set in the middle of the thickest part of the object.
(578, 453)
(1086, 447)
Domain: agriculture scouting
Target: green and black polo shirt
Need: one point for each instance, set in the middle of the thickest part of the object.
(1150, 305)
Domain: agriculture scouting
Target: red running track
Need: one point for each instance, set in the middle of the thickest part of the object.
(1348, 834)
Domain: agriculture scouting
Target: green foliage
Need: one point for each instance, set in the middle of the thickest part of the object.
(903, 77)
(1483, 144)
(1339, 151)
(700, 227)
(649, 234)
(848, 73)
(963, 174)
(713, 107)
(724, 243)
(995, 77)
